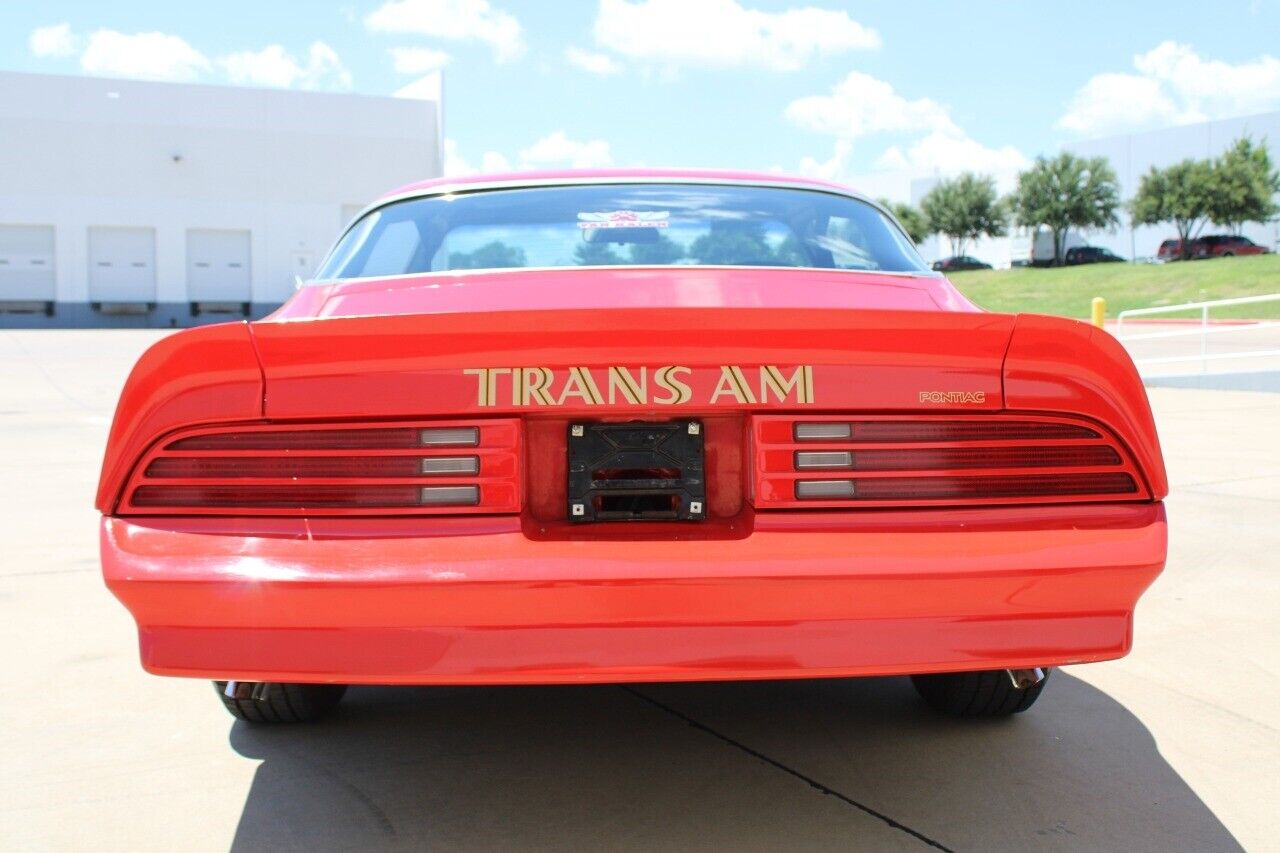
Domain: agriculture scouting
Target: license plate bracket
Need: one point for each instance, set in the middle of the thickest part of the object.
(636, 471)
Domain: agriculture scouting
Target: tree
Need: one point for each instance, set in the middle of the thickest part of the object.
(730, 242)
(963, 209)
(1066, 192)
(596, 254)
(663, 250)
(490, 256)
(1245, 186)
(1181, 194)
(911, 219)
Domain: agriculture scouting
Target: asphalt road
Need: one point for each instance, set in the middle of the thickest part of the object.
(1175, 747)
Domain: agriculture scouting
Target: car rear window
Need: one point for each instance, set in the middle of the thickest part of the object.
(621, 224)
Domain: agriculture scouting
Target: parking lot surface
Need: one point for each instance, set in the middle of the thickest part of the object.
(1232, 355)
(1174, 747)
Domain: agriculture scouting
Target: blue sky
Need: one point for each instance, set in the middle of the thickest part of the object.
(834, 89)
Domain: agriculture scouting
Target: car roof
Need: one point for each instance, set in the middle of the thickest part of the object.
(569, 176)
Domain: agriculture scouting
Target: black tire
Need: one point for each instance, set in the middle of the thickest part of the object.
(976, 694)
(283, 703)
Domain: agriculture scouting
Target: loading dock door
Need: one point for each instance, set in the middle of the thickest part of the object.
(26, 263)
(122, 265)
(218, 266)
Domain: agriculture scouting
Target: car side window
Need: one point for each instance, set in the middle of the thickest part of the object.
(847, 245)
(393, 251)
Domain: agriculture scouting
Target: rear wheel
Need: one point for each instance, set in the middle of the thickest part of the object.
(272, 702)
(977, 694)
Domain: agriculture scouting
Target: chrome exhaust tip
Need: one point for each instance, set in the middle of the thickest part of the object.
(256, 690)
(1024, 678)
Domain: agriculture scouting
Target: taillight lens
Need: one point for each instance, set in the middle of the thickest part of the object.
(832, 461)
(321, 469)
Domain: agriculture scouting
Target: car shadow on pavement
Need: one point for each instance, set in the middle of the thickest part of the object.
(754, 765)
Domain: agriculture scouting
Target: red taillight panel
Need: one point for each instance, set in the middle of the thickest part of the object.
(886, 461)
(431, 467)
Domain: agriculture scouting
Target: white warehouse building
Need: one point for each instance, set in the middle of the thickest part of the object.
(129, 203)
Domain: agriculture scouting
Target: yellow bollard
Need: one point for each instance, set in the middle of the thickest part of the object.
(1099, 311)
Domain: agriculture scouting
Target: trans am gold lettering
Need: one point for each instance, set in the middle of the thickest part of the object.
(772, 380)
(622, 381)
(677, 391)
(733, 383)
(485, 395)
(671, 385)
(535, 383)
(581, 385)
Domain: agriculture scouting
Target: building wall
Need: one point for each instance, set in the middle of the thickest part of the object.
(289, 167)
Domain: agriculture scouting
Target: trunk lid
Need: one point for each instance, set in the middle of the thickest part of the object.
(629, 339)
(633, 361)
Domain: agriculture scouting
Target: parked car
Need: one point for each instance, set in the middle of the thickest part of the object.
(603, 442)
(1090, 255)
(1225, 246)
(960, 262)
(1170, 250)
(1210, 246)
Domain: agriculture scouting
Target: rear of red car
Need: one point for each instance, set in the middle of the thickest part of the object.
(1170, 250)
(1225, 246)
(631, 474)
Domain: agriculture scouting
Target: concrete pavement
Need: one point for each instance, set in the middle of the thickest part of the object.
(1174, 747)
(1234, 355)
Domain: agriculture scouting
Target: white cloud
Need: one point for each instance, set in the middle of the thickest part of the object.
(949, 153)
(418, 60)
(274, 66)
(725, 33)
(459, 20)
(1118, 100)
(425, 88)
(1174, 85)
(455, 165)
(1212, 86)
(162, 56)
(54, 41)
(557, 149)
(832, 169)
(861, 104)
(153, 56)
(595, 63)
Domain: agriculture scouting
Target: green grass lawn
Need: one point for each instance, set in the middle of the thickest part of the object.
(1068, 291)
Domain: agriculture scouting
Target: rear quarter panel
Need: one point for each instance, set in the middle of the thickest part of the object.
(204, 375)
(1060, 365)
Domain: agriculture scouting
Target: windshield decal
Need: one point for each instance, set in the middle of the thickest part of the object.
(625, 219)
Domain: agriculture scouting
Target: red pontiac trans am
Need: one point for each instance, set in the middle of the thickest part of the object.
(630, 426)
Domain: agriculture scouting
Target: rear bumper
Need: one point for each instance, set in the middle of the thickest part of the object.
(483, 601)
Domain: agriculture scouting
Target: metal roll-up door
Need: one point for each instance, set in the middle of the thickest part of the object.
(219, 279)
(122, 268)
(27, 277)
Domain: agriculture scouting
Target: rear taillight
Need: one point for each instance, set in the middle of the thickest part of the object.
(393, 469)
(834, 461)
